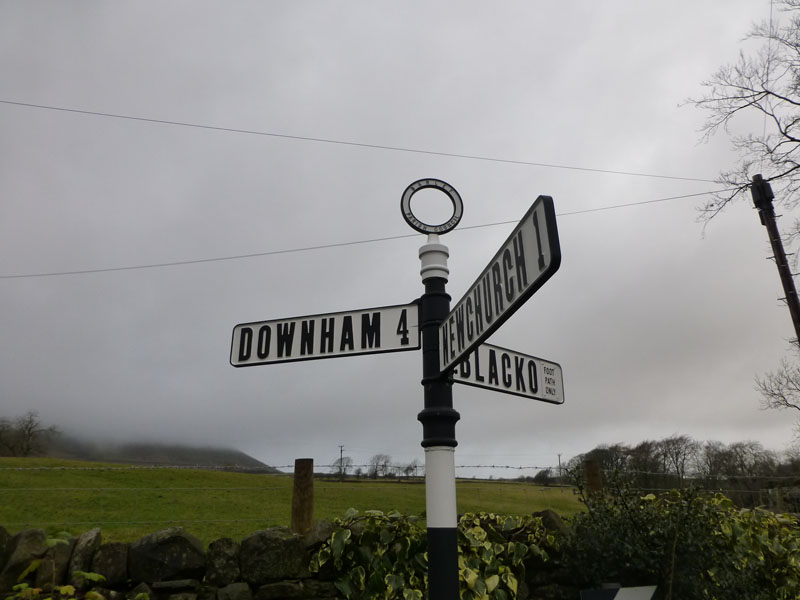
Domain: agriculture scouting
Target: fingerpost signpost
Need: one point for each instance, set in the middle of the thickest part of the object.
(452, 343)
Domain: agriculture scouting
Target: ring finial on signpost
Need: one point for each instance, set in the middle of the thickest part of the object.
(438, 184)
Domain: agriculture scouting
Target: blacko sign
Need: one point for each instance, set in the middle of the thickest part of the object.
(503, 370)
(527, 259)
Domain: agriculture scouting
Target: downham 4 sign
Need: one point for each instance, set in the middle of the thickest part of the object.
(368, 331)
(527, 259)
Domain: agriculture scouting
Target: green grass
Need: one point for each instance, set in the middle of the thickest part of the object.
(127, 503)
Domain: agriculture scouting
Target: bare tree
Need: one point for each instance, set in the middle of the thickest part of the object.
(410, 470)
(544, 476)
(646, 458)
(6, 437)
(341, 465)
(647, 465)
(379, 465)
(712, 461)
(611, 458)
(680, 453)
(25, 435)
(780, 389)
(765, 84)
(751, 459)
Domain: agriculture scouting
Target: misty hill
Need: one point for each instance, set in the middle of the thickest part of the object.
(64, 446)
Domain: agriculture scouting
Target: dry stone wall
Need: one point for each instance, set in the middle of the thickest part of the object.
(171, 564)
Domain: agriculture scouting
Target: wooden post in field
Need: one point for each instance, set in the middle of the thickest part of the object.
(593, 475)
(303, 495)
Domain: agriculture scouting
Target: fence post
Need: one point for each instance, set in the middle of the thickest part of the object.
(303, 495)
(778, 499)
(593, 475)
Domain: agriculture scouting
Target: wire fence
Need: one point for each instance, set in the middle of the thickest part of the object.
(779, 492)
(219, 501)
(228, 501)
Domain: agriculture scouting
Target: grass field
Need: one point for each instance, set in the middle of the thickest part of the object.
(127, 503)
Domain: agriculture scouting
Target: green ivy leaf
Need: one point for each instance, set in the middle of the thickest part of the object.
(320, 558)
(88, 576)
(480, 588)
(470, 577)
(31, 568)
(339, 540)
(343, 585)
(510, 581)
(520, 550)
(500, 594)
(386, 536)
(395, 583)
(358, 577)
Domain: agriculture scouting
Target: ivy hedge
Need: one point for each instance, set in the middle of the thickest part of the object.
(377, 555)
(694, 545)
(691, 544)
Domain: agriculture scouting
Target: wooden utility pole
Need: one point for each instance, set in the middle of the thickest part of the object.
(762, 198)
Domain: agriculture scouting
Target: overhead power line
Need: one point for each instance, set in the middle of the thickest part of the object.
(349, 143)
(326, 246)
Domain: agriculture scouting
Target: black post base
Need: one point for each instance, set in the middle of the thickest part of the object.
(443, 575)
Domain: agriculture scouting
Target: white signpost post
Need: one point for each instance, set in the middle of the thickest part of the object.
(452, 349)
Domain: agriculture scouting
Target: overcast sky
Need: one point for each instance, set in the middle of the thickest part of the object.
(660, 325)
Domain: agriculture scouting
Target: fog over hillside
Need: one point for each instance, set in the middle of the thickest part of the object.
(161, 454)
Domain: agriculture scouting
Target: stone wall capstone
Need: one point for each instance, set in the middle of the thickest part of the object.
(81, 560)
(223, 562)
(166, 555)
(55, 564)
(111, 560)
(22, 550)
(5, 545)
(272, 555)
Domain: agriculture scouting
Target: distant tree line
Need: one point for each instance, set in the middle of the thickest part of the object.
(25, 435)
(378, 466)
(745, 471)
